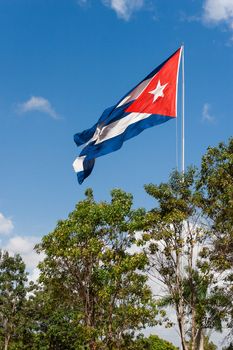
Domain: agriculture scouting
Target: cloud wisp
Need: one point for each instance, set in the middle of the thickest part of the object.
(218, 11)
(184, 17)
(124, 8)
(6, 225)
(40, 104)
(82, 3)
(213, 11)
(206, 115)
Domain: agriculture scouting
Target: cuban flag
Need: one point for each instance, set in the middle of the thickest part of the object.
(152, 102)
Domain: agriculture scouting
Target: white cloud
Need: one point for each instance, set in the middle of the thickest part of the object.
(206, 115)
(184, 17)
(82, 2)
(6, 225)
(25, 247)
(21, 245)
(124, 8)
(36, 103)
(217, 11)
(34, 275)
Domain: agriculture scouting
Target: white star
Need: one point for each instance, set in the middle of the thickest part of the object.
(158, 91)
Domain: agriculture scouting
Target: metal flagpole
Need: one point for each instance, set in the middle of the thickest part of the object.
(182, 132)
(182, 234)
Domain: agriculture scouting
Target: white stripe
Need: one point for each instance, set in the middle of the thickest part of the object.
(136, 92)
(118, 127)
(78, 164)
(94, 137)
(133, 96)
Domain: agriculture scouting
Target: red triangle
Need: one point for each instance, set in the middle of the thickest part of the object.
(166, 104)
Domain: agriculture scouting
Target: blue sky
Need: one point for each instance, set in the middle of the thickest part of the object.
(63, 62)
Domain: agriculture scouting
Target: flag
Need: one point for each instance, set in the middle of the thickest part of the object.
(153, 101)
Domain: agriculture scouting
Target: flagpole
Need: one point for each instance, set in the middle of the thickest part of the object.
(182, 132)
(182, 169)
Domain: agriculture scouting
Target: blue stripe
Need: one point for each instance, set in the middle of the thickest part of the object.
(84, 136)
(88, 166)
(94, 151)
(81, 175)
(115, 114)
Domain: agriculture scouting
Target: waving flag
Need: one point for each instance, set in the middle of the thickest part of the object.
(153, 101)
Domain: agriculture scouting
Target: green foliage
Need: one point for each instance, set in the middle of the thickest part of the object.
(94, 287)
(216, 184)
(93, 292)
(208, 344)
(13, 291)
(153, 342)
(176, 229)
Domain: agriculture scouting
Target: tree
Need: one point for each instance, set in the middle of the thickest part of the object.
(208, 344)
(54, 321)
(176, 239)
(13, 291)
(93, 278)
(153, 342)
(216, 186)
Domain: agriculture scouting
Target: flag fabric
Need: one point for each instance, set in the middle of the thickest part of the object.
(153, 101)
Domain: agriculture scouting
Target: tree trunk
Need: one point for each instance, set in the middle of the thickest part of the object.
(179, 291)
(90, 315)
(193, 329)
(180, 320)
(182, 335)
(192, 289)
(6, 343)
(110, 335)
(93, 345)
(200, 339)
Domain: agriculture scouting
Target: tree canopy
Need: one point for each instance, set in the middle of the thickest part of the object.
(13, 291)
(110, 270)
(90, 262)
